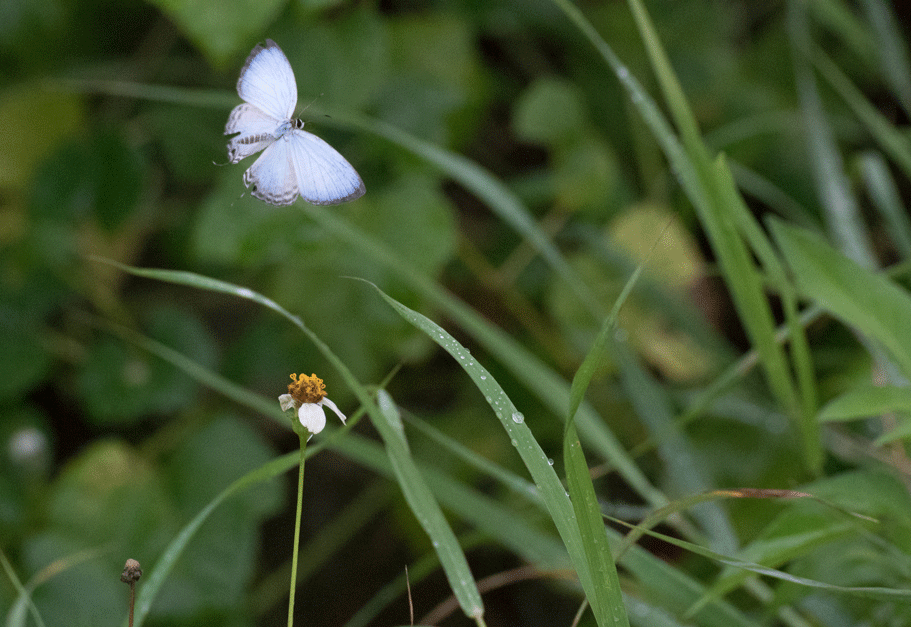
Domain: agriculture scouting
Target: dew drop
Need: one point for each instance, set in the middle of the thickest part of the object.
(518, 418)
(550, 462)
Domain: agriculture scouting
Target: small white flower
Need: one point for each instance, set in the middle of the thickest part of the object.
(308, 396)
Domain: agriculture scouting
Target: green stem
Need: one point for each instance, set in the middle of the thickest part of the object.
(297, 532)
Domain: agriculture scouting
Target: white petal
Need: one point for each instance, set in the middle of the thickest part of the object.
(333, 407)
(312, 417)
(286, 401)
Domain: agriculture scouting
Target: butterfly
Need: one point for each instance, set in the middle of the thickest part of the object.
(294, 162)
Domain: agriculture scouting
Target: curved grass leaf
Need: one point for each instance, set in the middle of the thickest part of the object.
(900, 595)
(422, 502)
(833, 189)
(865, 402)
(599, 580)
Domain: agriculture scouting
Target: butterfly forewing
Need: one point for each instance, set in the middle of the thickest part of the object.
(267, 81)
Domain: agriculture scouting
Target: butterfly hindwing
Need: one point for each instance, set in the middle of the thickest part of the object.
(272, 176)
(324, 176)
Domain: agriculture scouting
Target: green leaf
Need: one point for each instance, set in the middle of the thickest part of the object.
(32, 123)
(604, 595)
(120, 386)
(222, 32)
(866, 401)
(864, 300)
(551, 112)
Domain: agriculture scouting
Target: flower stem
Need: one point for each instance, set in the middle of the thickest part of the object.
(297, 532)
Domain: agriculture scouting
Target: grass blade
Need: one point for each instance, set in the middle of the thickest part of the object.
(425, 507)
(832, 187)
(552, 491)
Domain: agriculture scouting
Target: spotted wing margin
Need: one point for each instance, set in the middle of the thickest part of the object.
(256, 131)
(272, 176)
(324, 177)
(267, 82)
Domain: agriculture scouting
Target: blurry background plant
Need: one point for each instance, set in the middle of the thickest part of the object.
(111, 122)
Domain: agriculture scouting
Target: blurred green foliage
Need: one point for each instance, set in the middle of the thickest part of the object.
(111, 123)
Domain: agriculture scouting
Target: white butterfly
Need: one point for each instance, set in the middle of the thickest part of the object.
(294, 162)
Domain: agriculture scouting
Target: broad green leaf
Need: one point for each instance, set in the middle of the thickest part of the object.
(551, 112)
(865, 402)
(32, 123)
(870, 303)
(224, 31)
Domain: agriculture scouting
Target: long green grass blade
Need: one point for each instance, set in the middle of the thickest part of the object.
(605, 598)
(513, 421)
(884, 193)
(893, 52)
(891, 140)
(800, 347)
(422, 502)
(898, 595)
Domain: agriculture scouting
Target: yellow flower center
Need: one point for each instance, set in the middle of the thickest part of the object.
(307, 389)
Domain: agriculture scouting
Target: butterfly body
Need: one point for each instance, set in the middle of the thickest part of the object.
(294, 162)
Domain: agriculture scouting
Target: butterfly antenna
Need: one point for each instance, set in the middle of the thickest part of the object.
(308, 105)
